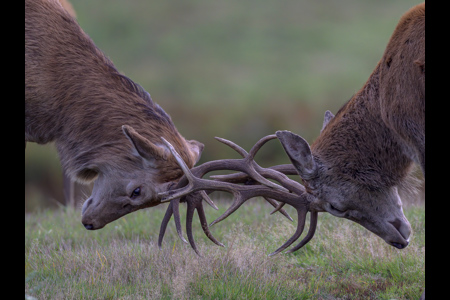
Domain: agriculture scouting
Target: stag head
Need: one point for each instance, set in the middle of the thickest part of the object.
(145, 170)
(377, 209)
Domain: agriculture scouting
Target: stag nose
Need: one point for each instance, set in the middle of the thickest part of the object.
(403, 227)
(400, 246)
(86, 204)
(89, 226)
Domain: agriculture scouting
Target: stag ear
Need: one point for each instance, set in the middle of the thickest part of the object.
(299, 153)
(196, 149)
(327, 118)
(143, 146)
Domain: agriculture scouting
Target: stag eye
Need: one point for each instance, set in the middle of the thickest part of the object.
(333, 207)
(336, 209)
(136, 193)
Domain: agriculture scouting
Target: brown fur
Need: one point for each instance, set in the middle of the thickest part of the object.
(75, 97)
(365, 152)
(376, 135)
(68, 6)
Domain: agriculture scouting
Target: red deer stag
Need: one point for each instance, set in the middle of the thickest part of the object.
(355, 166)
(105, 126)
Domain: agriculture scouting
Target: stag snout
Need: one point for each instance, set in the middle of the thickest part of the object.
(112, 199)
(89, 226)
(86, 219)
(86, 204)
(400, 246)
(404, 229)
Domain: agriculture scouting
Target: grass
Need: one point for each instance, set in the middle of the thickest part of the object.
(122, 261)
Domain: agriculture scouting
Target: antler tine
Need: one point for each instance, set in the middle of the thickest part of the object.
(250, 163)
(300, 226)
(176, 216)
(172, 209)
(194, 201)
(254, 167)
(259, 144)
(249, 157)
(276, 205)
(286, 169)
(237, 202)
(204, 223)
(189, 215)
(165, 221)
(186, 171)
(232, 145)
(208, 200)
(196, 204)
(310, 234)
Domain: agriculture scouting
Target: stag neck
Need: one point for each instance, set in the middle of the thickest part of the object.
(359, 145)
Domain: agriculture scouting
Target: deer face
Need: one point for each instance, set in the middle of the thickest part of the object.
(378, 210)
(147, 170)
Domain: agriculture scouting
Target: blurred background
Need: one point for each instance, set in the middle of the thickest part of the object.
(237, 69)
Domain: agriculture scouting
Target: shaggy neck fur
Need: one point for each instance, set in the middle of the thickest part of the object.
(75, 96)
(358, 145)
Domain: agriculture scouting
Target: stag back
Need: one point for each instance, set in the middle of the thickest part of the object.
(105, 126)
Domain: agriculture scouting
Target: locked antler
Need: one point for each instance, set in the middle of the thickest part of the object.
(192, 189)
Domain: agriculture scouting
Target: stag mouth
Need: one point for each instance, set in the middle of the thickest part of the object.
(399, 246)
(90, 226)
(402, 230)
(402, 241)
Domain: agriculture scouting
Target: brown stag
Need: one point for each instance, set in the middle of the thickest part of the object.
(355, 166)
(105, 126)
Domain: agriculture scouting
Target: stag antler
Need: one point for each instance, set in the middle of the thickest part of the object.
(192, 187)
(194, 200)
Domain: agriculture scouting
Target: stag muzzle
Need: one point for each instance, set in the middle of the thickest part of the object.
(402, 234)
(395, 229)
(87, 217)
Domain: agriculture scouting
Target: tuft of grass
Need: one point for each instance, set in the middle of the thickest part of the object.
(122, 260)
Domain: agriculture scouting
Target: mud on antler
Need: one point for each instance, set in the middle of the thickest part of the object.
(193, 189)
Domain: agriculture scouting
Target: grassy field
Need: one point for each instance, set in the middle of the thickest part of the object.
(122, 260)
(239, 70)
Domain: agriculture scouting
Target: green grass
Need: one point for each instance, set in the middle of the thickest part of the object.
(122, 260)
